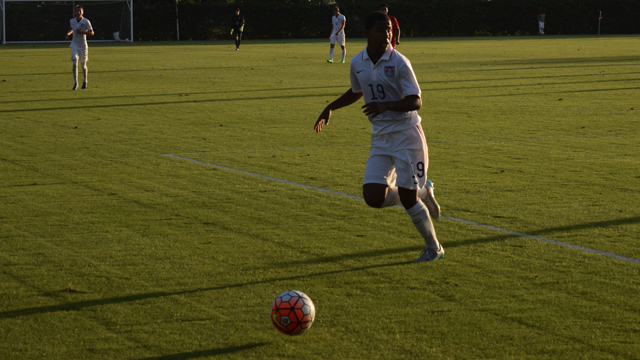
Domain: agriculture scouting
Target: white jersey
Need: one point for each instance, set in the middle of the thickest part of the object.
(79, 41)
(337, 22)
(391, 79)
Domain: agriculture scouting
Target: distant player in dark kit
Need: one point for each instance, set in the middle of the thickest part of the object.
(238, 27)
(396, 171)
(395, 40)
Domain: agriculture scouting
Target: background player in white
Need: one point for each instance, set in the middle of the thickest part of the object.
(398, 154)
(337, 33)
(79, 29)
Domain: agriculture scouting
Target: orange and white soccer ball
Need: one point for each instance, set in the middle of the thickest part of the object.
(292, 312)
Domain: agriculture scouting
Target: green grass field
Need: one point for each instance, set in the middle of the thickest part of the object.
(110, 248)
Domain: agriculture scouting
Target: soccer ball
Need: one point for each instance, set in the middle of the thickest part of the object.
(292, 312)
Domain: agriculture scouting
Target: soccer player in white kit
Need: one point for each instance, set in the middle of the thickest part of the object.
(337, 34)
(80, 27)
(396, 171)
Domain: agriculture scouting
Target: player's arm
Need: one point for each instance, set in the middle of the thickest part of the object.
(68, 34)
(346, 99)
(408, 103)
(341, 27)
(397, 30)
(88, 32)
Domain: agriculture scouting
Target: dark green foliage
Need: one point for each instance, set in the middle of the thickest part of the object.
(210, 20)
(49, 21)
(294, 19)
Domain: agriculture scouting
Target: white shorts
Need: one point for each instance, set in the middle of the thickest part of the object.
(338, 38)
(81, 54)
(399, 158)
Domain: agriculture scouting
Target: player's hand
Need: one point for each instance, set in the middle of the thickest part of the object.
(374, 109)
(323, 120)
(66, 37)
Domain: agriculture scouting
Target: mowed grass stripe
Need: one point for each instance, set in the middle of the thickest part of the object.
(472, 223)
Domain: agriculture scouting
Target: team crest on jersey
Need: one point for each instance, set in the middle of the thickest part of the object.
(389, 71)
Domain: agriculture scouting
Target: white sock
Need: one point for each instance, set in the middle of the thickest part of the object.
(344, 53)
(422, 193)
(75, 72)
(84, 71)
(421, 219)
(331, 54)
(392, 198)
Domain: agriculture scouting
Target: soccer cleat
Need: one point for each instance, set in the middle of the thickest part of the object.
(431, 203)
(237, 48)
(342, 62)
(431, 254)
(84, 85)
(75, 86)
(330, 61)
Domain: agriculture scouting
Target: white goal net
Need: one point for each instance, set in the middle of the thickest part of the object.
(31, 21)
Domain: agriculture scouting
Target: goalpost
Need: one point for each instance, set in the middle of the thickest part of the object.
(47, 21)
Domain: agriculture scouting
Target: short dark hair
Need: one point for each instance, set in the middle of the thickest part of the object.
(373, 18)
(238, 9)
(336, 8)
(79, 7)
(383, 5)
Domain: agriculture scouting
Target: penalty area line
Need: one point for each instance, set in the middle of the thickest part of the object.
(463, 221)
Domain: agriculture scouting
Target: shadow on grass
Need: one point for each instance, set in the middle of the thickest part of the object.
(203, 353)
(186, 93)
(333, 94)
(503, 237)
(469, 242)
(123, 299)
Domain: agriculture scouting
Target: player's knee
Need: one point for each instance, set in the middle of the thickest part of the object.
(84, 65)
(373, 202)
(372, 197)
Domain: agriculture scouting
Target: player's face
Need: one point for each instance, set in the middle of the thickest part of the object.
(379, 36)
(79, 12)
(237, 13)
(384, 10)
(336, 12)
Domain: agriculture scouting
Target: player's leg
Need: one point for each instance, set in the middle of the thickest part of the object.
(411, 161)
(332, 44)
(239, 40)
(378, 189)
(422, 221)
(344, 49)
(84, 57)
(74, 67)
(426, 194)
(379, 194)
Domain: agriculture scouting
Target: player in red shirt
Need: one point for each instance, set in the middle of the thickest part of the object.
(395, 40)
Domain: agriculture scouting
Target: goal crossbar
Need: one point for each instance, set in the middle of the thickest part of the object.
(3, 7)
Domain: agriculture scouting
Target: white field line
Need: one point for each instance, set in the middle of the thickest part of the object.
(468, 222)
